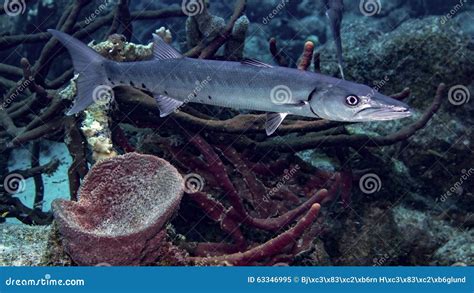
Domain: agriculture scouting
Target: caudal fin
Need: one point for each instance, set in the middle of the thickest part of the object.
(89, 64)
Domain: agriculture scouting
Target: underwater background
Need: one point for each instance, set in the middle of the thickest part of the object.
(118, 185)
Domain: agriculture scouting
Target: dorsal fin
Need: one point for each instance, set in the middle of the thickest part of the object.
(273, 121)
(162, 50)
(257, 63)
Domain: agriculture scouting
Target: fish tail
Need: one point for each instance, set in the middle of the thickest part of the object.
(89, 64)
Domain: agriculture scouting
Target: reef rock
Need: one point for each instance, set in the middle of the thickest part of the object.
(123, 206)
(420, 53)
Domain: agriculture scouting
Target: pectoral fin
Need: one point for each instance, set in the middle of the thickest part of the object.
(167, 105)
(273, 121)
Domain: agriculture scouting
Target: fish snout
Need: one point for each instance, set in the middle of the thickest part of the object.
(384, 108)
(393, 107)
(381, 114)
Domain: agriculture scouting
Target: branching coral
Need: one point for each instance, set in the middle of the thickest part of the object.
(242, 169)
(33, 108)
(125, 202)
(260, 201)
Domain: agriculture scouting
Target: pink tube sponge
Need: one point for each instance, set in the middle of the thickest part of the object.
(123, 206)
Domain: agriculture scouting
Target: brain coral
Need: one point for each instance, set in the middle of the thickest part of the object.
(123, 205)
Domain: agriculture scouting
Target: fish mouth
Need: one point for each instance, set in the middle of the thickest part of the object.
(383, 113)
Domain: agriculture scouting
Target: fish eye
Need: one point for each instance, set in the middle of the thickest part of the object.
(352, 100)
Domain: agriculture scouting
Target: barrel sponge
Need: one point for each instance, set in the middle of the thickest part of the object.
(124, 204)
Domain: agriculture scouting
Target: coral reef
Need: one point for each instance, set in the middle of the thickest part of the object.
(97, 131)
(124, 204)
(253, 204)
(21, 125)
(111, 222)
(203, 26)
(234, 47)
(378, 55)
(22, 245)
(419, 53)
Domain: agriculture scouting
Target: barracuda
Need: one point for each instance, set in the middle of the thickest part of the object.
(248, 85)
